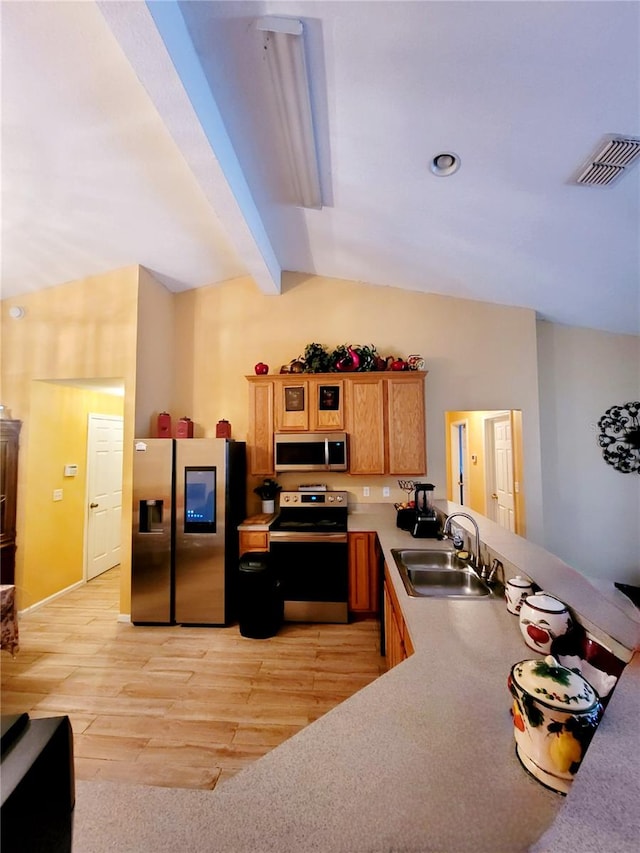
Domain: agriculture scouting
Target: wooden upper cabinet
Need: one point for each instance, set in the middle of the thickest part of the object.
(309, 403)
(382, 413)
(406, 425)
(260, 437)
(386, 424)
(292, 405)
(326, 400)
(365, 423)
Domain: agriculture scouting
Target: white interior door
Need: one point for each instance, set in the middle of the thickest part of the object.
(104, 493)
(500, 473)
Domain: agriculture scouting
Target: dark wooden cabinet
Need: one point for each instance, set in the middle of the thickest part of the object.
(9, 439)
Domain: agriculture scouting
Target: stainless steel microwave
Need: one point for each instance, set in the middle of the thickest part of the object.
(310, 451)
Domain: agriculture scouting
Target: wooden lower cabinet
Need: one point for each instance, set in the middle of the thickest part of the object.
(398, 645)
(364, 558)
(253, 540)
(364, 561)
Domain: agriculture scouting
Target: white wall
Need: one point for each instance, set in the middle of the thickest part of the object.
(591, 511)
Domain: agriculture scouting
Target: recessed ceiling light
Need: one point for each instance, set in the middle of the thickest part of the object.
(445, 164)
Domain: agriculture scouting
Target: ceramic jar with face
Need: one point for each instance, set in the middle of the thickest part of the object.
(515, 591)
(543, 618)
(555, 714)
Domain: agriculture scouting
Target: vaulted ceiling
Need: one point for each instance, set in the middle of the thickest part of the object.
(142, 133)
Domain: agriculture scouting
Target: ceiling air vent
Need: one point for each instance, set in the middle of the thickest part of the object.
(614, 156)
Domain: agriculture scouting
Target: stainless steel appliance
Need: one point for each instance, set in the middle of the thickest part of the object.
(188, 499)
(310, 451)
(308, 545)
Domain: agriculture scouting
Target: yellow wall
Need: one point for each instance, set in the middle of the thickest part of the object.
(79, 330)
(475, 487)
(53, 540)
(518, 473)
(475, 490)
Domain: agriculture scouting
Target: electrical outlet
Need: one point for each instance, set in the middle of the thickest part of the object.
(386, 492)
(366, 491)
(57, 494)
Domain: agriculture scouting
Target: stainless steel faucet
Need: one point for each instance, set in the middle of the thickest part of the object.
(447, 528)
(496, 569)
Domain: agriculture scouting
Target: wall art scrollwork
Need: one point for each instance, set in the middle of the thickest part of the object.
(619, 437)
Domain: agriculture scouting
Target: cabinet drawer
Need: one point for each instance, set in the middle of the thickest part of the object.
(254, 540)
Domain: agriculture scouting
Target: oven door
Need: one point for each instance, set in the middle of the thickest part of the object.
(313, 573)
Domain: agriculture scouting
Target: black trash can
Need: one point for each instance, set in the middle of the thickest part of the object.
(260, 604)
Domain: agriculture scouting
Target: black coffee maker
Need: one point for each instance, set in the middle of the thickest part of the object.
(426, 524)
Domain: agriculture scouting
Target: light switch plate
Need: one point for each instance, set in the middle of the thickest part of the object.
(57, 494)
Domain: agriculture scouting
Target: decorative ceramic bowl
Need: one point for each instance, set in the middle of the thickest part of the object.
(555, 714)
(515, 591)
(542, 619)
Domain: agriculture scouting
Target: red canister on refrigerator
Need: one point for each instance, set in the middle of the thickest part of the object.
(164, 425)
(223, 429)
(184, 428)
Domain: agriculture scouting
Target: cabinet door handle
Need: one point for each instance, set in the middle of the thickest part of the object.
(93, 506)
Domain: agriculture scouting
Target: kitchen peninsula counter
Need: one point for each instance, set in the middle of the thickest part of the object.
(421, 760)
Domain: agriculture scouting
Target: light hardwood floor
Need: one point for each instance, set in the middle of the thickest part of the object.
(172, 706)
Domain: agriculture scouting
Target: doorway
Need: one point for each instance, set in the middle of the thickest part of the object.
(104, 493)
(484, 464)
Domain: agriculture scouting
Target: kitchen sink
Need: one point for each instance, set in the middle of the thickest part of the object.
(438, 574)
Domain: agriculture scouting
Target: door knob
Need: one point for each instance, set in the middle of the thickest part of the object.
(93, 506)
(494, 496)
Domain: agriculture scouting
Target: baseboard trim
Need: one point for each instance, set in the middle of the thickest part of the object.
(33, 607)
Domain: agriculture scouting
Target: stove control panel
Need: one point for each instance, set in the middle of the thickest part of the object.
(322, 499)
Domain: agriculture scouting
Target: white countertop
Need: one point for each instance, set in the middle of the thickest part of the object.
(422, 759)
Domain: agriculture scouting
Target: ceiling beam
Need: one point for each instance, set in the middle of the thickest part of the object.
(157, 44)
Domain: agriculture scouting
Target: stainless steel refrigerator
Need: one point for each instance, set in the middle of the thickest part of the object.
(188, 500)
